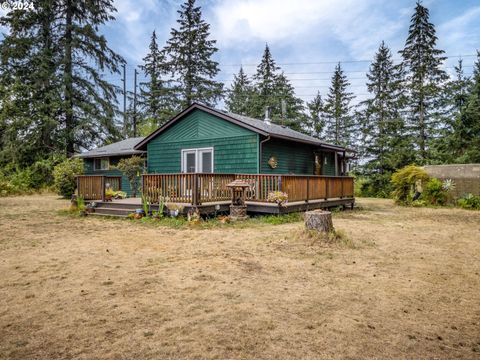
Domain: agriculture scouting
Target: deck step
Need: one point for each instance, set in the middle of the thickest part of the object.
(113, 211)
(117, 205)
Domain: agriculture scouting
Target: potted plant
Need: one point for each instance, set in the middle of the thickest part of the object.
(174, 209)
(279, 197)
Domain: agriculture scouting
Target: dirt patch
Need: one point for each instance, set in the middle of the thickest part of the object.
(90, 288)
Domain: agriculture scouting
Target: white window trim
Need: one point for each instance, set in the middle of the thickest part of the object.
(100, 158)
(198, 160)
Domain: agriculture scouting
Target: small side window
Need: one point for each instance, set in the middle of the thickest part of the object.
(101, 164)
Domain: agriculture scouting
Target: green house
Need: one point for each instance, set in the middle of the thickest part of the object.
(205, 140)
(102, 161)
(201, 139)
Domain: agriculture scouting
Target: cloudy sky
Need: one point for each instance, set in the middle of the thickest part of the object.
(306, 37)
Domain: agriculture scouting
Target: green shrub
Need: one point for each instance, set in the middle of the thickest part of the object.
(469, 201)
(132, 167)
(64, 176)
(404, 181)
(434, 193)
(375, 185)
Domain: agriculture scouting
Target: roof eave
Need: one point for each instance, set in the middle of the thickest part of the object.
(86, 155)
(194, 106)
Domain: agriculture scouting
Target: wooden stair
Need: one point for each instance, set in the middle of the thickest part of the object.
(114, 209)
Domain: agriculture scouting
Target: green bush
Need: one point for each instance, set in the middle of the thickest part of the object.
(375, 185)
(132, 168)
(469, 201)
(434, 193)
(64, 176)
(404, 181)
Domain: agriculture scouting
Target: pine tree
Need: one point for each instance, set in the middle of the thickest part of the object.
(384, 145)
(468, 126)
(240, 96)
(286, 108)
(316, 118)
(157, 96)
(339, 123)
(189, 54)
(265, 84)
(89, 103)
(423, 61)
(29, 87)
(451, 142)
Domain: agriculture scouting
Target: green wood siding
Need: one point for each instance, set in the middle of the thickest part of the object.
(89, 170)
(235, 148)
(292, 157)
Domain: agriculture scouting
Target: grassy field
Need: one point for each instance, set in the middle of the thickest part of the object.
(405, 283)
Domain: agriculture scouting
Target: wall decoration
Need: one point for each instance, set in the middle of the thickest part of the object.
(273, 162)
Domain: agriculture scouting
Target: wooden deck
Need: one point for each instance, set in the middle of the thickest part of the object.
(209, 192)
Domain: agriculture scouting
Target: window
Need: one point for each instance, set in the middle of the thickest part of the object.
(197, 160)
(101, 163)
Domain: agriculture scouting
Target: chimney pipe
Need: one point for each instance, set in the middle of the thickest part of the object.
(267, 116)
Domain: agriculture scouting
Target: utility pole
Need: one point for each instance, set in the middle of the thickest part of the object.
(135, 103)
(124, 80)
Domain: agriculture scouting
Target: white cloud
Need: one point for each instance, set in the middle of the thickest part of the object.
(353, 23)
(460, 35)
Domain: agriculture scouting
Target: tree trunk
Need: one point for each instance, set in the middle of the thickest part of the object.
(68, 74)
(319, 220)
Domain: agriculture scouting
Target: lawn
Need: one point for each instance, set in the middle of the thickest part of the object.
(406, 284)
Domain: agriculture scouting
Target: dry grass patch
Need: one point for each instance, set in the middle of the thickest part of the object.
(406, 287)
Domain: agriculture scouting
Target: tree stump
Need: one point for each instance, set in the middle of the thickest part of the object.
(319, 220)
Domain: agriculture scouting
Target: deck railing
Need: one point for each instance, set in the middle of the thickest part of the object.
(92, 187)
(196, 189)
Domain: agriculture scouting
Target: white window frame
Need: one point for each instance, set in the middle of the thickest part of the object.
(101, 158)
(198, 158)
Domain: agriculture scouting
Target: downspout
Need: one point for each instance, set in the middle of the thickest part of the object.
(260, 151)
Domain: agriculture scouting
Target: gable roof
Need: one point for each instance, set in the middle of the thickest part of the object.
(124, 147)
(255, 125)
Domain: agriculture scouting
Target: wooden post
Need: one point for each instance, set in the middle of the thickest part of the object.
(308, 189)
(78, 186)
(326, 188)
(341, 193)
(195, 190)
(103, 187)
(336, 164)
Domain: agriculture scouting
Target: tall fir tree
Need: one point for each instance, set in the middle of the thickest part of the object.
(29, 87)
(422, 61)
(339, 122)
(189, 53)
(287, 109)
(315, 124)
(468, 124)
(89, 101)
(451, 142)
(265, 80)
(240, 96)
(384, 145)
(157, 95)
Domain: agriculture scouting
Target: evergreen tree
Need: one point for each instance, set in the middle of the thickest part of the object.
(189, 54)
(287, 109)
(339, 123)
(384, 145)
(451, 142)
(29, 87)
(423, 61)
(89, 101)
(265, 85)
(240, 96)
(316, 118)
(157, 95)
(468, 124)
